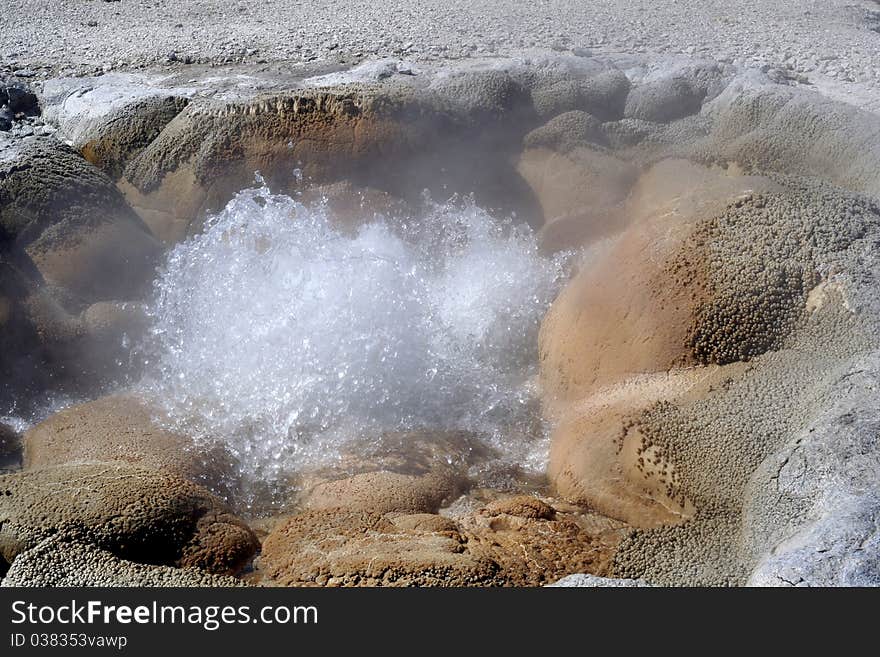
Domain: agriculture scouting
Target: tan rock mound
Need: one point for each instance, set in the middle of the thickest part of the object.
(124, 428)
(633, 308)
(516, 541)
(601, 459)
(138, 514)
(522, 506)
(74, 223)
(382, 492)
(342, 548)
(211, 150)
(58, 561)
(534, 544)
(679, 358)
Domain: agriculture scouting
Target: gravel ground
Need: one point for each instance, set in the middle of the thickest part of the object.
(831, 42)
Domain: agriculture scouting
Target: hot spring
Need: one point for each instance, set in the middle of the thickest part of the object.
(288, 337)
(481, 323)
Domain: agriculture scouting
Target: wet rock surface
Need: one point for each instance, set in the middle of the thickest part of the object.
(61, 562)
(519, 541)
(136, 513)
(125, 428)
(10, 447)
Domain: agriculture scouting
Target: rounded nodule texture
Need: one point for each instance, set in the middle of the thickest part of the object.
(383, 492)
(136, 513)
(763, 328)
(125, 428)
(515, 541)
(58, 561)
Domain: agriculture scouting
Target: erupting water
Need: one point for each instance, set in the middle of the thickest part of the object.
(289, 338)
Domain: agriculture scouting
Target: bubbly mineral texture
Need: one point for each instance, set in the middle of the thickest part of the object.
(514, 541)
(58, 561)
(762, 308)
(591, 581)
(124, 428)
(138, 514)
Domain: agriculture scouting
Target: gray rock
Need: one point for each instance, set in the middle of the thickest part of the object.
(813, 508)
(109, 120)
(603, 95)
(591, 581)
(680, 94)
(18, 97)
(567, 131)
(481, 95)
(773, 128)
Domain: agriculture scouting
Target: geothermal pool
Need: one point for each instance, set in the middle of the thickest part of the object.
(488, 324)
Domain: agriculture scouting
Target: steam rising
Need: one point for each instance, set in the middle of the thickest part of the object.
(289, 338)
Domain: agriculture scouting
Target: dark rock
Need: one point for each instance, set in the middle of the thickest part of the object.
(21, 99)
(10, 446)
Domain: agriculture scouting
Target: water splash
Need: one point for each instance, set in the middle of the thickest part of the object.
(289, 338)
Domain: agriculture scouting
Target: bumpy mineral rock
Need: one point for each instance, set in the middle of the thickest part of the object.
(73, 223)
(383, 492)
(125, 428)
(755, 299)
(136, 513)
(58, 561)
(514, 541)
(602, 93)
(591, 581)
(109, 123)
(772, 128)
(630, 310)
(677, 95)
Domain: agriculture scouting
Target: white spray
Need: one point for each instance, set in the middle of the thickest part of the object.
(287, 338)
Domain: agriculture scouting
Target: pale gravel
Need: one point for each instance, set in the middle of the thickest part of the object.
(833, 43)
